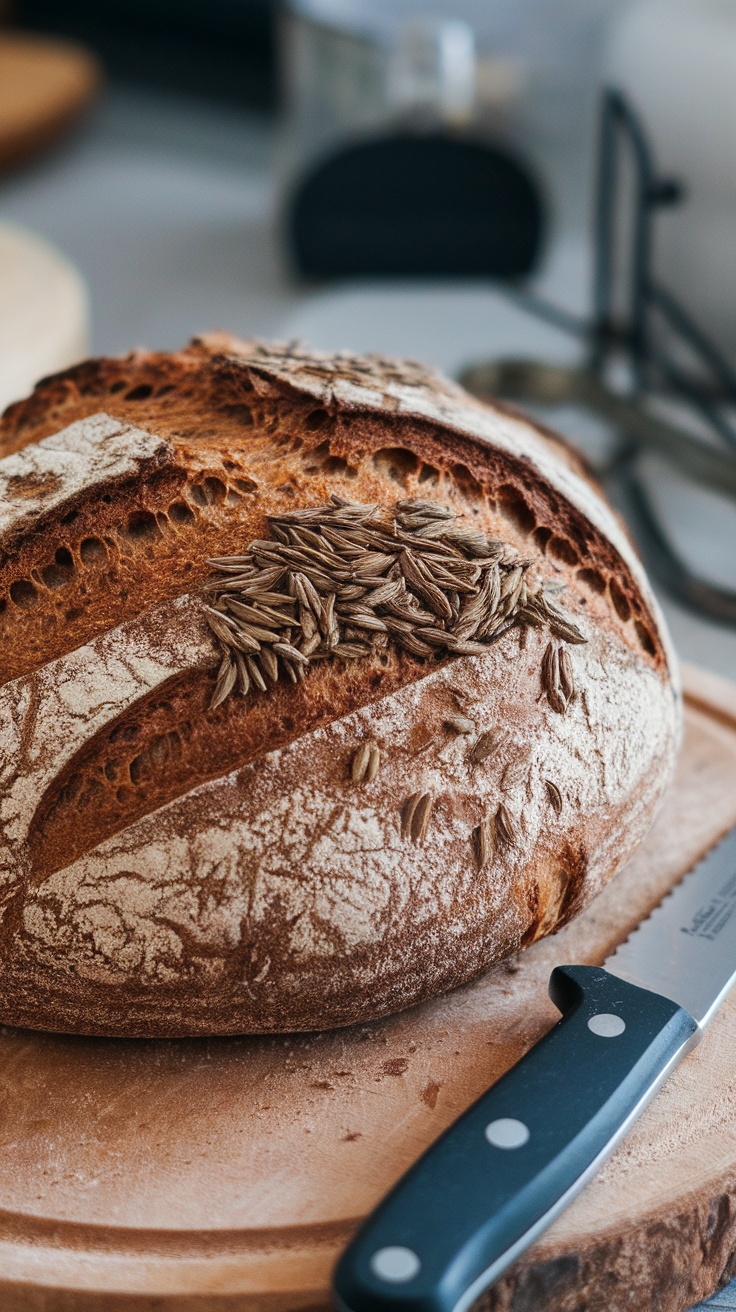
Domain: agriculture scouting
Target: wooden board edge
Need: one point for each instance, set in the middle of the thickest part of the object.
(710, 693)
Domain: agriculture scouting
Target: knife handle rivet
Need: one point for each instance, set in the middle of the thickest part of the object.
(606, 1025)
(395, 1264)
(507, 1133)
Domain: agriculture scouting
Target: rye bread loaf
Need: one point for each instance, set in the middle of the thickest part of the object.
(179, 856)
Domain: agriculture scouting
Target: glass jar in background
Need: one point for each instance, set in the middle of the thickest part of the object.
(521, 74)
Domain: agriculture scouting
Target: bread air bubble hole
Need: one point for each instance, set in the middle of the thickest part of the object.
(593, 580)
(315, 419)
(23, 593)
(245, 484)
(181, 513)
(3, 604)
(141, 525)
(396, 463)
(322, 461)
(516, 508)
(645, 638)
(467, 483)
(233, 498)
(429, 474)
(126, 733)
(139, 393)
(563, 549)
(541, 537)
(91, 551)
(214, 490)
(117, 386)
(164, 747)
(336, 465)
(620, 601)
(70, 790)
(92, 795)
(61, 571)
(242, 414)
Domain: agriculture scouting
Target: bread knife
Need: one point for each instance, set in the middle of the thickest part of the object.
(496, 1179)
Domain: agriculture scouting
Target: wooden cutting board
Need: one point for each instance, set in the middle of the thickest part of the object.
(44, 86)
(209, 1176)
(44, 312)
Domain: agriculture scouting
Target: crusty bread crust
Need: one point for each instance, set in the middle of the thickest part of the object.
(171, 869)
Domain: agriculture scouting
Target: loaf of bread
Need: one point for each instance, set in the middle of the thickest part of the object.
(324, 687)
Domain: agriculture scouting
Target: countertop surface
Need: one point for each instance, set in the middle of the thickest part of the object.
(170, 208)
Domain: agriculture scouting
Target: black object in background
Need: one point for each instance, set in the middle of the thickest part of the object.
(413, 204)
(221, 49)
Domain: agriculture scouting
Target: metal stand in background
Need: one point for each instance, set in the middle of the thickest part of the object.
(640, 332)
(633, 327)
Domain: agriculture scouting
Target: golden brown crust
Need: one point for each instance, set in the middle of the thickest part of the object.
(226, 425)
(117, 917)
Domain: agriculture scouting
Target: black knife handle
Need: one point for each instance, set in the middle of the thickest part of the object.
(493, 1182)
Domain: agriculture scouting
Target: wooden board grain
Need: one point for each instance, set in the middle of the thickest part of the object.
(217, 1175)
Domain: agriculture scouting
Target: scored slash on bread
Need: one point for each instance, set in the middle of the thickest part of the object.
(172, 868)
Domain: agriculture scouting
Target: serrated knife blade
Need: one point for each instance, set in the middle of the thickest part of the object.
(501, 1174)
(686, 947)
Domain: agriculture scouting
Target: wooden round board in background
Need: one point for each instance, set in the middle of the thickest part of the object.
(44, 312)
(44, 86)
(224, 1174)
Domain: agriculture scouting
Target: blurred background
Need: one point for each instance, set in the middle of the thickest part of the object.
(432, 180)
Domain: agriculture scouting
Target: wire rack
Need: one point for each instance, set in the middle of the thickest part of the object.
(643, 351)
